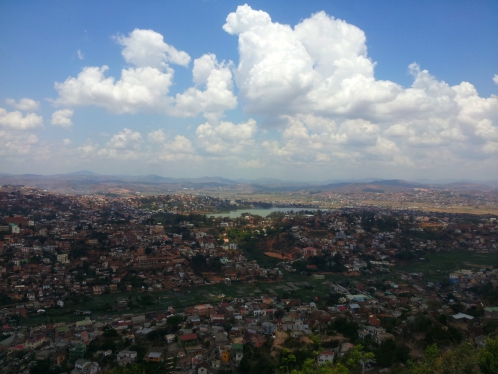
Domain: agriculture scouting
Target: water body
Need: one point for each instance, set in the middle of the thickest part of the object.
(258, 211)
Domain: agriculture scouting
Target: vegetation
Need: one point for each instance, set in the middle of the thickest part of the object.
(464, 359)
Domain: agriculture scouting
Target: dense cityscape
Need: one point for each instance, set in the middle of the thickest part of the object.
(171, 283)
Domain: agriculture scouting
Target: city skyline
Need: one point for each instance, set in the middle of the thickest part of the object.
(314, 91)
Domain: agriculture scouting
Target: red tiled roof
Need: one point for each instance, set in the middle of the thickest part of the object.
(188, 337)
(16, 220)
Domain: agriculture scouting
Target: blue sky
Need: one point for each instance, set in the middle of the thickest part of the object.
(331, 89)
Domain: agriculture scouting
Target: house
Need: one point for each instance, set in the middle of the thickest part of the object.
(154, 356)
(80, 364)
(62, 258)
(126, 357)
(77, 352)
(373, 320)
(268, 327)
(354, 307)
(35, 342)
(99, 290)
(202, 368)
(188, 340)
(203, 310)
(170, 338)
(217, 319)
(382, 337)
(370, 330)
(91, 368)
(325, 357)
(462, 317)
(344, 348)
(225, 355)
(293, 326)
(220, 338)
(238, 352)
(20, 221)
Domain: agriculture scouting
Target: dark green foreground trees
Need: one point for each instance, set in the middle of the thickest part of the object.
(464, 359)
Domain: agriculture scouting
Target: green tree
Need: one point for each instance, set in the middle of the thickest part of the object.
(174, 321)
(110, 333)
(462, 360)
(430, 362)
(347, 328)
(355, 358)
(488, 357)
(310, 367)
(389, 353)
(287, 360)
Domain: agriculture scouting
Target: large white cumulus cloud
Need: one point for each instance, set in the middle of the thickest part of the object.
(142, 88)
(320, 67)
(145, 85)
(213, 93)
(320, 64)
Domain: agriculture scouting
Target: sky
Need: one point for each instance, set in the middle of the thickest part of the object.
(296, 90)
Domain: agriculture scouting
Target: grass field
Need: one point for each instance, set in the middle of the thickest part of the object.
(436, 268)
(447, 262)
(195, 295)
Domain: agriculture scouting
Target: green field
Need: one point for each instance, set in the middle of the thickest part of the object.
(191, 296)
(437, 267)
(447, 262)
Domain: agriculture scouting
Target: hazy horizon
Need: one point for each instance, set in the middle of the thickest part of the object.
(366, 179)
(295, 91)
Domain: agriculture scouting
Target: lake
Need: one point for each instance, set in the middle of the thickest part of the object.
(258, 211)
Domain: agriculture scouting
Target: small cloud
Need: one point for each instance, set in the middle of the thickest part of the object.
(66, 141)
(80, 55)
(495, 78)
(16, 121)
(62, 118)
(490, 147)
(25, 104)
(252, 164)
(157, 136)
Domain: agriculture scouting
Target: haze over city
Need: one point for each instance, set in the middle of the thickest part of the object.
(193, 88)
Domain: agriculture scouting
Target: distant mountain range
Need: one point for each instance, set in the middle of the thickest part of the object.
(83, 179)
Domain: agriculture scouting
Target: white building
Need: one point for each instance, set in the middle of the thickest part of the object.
(325, 357)
(126, 357)
(62, 258)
